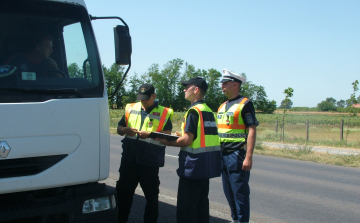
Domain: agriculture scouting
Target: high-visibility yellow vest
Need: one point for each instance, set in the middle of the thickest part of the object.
(203, 142)
(231, 126)
(154, 121)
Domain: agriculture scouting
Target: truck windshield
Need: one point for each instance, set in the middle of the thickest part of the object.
(47, 51)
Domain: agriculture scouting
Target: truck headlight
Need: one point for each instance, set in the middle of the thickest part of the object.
(99, 204)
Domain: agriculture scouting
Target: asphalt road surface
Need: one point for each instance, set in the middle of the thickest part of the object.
(282, 190)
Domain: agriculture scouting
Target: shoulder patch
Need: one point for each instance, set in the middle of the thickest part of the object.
(249, 118)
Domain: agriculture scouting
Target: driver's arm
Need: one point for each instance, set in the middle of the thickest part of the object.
(50, 64)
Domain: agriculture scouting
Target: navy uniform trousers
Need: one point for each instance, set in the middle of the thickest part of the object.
(193, 201)
(132, 173)
(236, 186)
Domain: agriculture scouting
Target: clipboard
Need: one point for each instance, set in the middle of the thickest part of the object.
(163, 136)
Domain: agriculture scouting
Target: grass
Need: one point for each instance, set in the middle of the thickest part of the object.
(114, 118)
(320, 135)
(305, 153)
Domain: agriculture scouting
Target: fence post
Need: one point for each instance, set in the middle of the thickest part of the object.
(342, 129)
(307, 130)
(283, 129)
(276, 126)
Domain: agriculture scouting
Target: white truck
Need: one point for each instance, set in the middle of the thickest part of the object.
(54, 134)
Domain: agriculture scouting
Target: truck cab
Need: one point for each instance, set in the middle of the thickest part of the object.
(54, 139)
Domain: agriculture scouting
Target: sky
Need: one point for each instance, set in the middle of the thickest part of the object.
(310, 46)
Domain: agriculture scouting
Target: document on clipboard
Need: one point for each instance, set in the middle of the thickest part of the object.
(163, 136)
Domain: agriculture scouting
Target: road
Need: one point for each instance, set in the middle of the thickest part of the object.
(282, 190)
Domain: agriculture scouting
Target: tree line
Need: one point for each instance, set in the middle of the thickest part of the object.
(330, 104)
(169, 90)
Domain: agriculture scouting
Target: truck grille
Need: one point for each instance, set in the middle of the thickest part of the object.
(27, 166)
(24, 207)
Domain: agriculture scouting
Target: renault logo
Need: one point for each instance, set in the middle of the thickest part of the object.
(4, 149)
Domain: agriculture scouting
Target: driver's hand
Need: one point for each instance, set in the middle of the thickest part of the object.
(50, 64)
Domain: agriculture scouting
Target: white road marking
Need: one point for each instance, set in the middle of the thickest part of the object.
(172, 156)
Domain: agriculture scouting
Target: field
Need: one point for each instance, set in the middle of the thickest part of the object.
(324, 128)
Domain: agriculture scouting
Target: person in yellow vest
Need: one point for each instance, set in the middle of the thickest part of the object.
(142, 156)
(199, 156)
(237, 131)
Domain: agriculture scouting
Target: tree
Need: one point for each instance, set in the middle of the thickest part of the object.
(132, 92)
(258, 96)
(169, 90)
(327, 105)
(261, 102)
(166, 81)
(352, 111)
(180, 104)
(75, 71)
(347, 104)
(113, 76)
(288, 94)
(331, 100)
(340, 104)
(214, 96)
(286, 104)
(248, 89)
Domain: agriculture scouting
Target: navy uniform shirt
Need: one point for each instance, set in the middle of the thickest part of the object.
(248, 115)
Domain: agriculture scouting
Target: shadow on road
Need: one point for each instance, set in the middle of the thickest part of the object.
(167, 212)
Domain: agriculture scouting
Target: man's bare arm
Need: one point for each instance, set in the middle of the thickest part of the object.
(247, 164)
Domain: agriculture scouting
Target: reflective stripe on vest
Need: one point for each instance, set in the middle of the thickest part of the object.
(127, 113)
(202, 130)
(203, 142)
(233, 135)
(201, 150)
(162, 119)
(136, 109)
(231, 126)
(236, 117)
(154, 121)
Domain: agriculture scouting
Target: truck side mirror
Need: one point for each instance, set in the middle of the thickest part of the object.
(123, 47)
